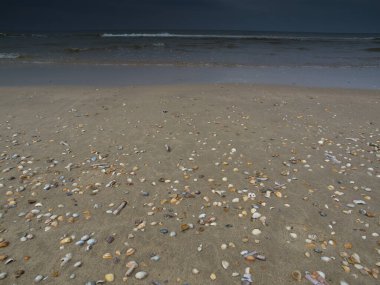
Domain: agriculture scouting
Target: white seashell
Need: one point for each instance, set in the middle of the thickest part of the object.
(38, 278)
(235, 274)
(359, 202)
(256, 215)
(85, 237)
(223, 246)
(131, 265)
(355, 257)
(325, 258)
(293, 235)
(91, 241)
(225, 264)
(3, 275)
(322, 274)
(78, 264)
(343, 283)
(141, 275)
(195, 271)
(256, 232)
(66, 259)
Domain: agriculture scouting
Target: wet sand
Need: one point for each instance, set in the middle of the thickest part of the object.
(303, 161)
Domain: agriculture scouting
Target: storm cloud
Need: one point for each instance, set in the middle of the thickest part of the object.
(254, 15)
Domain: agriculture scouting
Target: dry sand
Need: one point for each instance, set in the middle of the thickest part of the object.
(226, 142)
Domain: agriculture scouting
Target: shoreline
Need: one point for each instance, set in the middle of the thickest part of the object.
(121, 75)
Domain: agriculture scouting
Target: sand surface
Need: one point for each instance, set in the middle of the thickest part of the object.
(234, 149)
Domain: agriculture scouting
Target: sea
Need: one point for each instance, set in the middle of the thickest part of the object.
(153, 57)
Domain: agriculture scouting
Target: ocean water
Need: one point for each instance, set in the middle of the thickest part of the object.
(227, 51)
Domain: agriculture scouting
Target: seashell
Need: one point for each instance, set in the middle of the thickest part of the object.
(347, 245)
(325, 258)
(155, 258)
(293, 235)
(107, 256)
(250, 258)
(78, 264)
(213, 276)
(256, 215)
(130, 251)
(19, 272)
(3, 275)
(343, 283)
(85, 237)
(38, 278)
(184, 227)
(256, 232)
(65, 240)
(131, 265)
(297, 275)
(66, 259)
(141, 275)
(9, 260)
(346, 268)
(91, 241)
(109, 277)
(225, 264)
(80, 242)
(195, 271)
(355, 258)
(4, 243)
(223, 246)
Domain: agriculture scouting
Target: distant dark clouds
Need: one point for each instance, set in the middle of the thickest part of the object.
(280, 15)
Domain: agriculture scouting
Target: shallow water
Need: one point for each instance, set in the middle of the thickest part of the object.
(325, 60)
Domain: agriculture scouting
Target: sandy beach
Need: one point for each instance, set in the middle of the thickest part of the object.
(217, 179)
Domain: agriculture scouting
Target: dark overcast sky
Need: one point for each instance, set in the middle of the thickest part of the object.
(256, 15)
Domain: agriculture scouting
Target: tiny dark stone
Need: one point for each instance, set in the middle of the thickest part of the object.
(164, 231)
(110, 239)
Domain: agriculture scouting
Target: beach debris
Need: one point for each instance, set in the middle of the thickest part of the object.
(131, 266)
(109, 277)
(225, 264)
(141, 275)
(316, 278)
(247, 277)
(168, 148)
(38, 278)
(66, 259)
(297, 275)
(119, 208)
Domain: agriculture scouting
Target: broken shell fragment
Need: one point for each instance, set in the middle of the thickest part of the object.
(141, 275)
(297, 275)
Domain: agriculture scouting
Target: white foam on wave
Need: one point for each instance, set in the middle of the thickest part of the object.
(9, 55)
(229, 36)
